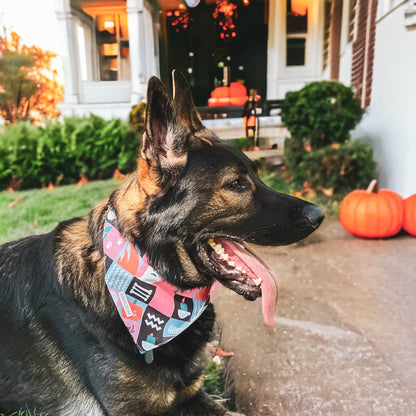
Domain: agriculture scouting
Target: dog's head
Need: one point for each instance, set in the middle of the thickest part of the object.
(195, 200)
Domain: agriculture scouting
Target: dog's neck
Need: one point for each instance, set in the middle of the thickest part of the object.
(153, 310)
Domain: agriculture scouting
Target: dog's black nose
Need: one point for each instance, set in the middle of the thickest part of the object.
(313, 214)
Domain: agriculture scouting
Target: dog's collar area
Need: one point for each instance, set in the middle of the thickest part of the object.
(153, 310)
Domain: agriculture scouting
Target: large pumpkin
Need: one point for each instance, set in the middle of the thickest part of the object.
(372, 214)
(409, 220)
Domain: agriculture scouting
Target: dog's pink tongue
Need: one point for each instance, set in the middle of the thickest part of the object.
(255, 268)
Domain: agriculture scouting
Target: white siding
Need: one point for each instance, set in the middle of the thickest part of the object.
(390, 122)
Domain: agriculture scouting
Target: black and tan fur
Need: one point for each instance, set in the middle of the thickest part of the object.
(63, 348)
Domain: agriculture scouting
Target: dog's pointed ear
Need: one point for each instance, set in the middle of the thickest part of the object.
(163, 151)
(184, 103)
(164, 138)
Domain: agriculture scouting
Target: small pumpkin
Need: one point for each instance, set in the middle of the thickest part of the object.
(370, 214)
(409, 220)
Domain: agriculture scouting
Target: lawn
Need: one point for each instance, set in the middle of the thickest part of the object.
(24, 413)
(38, 211)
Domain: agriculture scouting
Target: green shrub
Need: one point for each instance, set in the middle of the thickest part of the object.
(241, 143)
(294, 152)
(97, 147)
(137, 116)
(51, 154)
(18, 149)
(344, 168)
(58, 152)
(84, 147)
(321, 113)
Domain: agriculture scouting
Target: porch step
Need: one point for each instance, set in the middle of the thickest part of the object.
(275, 155)
(272, 130)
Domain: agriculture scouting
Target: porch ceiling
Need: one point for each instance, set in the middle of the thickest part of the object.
(98, 3)
(170, 4)
(165, 4)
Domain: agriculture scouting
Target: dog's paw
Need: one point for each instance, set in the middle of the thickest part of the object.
(233, 414)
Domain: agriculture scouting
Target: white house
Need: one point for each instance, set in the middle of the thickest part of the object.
(112, 47)
(390, 120)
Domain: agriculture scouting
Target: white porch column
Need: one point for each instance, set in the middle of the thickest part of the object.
(135, 19)
(66, 22)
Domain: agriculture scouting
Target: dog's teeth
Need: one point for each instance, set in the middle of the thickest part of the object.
(217, 247)
(231, 263)
(224, 256)
(258, 281)
(220, 249)
(239, 268)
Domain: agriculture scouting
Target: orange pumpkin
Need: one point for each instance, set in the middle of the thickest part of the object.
(409, 220)
(372, 214)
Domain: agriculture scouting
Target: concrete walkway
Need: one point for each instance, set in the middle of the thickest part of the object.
(345, 338)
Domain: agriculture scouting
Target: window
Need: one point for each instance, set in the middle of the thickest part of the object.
(296, 36)
(295, 51)
(112, 38)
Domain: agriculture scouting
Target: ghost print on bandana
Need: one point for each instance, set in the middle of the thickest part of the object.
(153, 310)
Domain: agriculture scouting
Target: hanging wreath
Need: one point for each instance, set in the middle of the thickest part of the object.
(179, 18)
(226, 14)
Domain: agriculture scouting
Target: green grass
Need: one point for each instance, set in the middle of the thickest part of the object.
(213, 379)
(38, 211)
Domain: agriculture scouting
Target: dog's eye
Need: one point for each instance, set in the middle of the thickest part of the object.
(236, 186)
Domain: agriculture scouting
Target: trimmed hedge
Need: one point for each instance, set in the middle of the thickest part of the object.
(321, 113)
(343, 168)
(319, 152)
(62, 152)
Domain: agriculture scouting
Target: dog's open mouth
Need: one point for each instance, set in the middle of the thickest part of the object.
(239, 269)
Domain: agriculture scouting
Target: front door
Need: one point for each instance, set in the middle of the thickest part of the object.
(215, 43)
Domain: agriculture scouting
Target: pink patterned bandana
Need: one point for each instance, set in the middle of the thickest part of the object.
(153, 310)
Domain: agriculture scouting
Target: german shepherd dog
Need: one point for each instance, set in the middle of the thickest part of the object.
(191, 206)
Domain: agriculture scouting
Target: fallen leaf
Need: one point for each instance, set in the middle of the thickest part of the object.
(118, 175)
(328, 192)
(15, 202)
(83, 180)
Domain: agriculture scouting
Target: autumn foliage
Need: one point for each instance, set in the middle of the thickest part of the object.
(29, 87)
